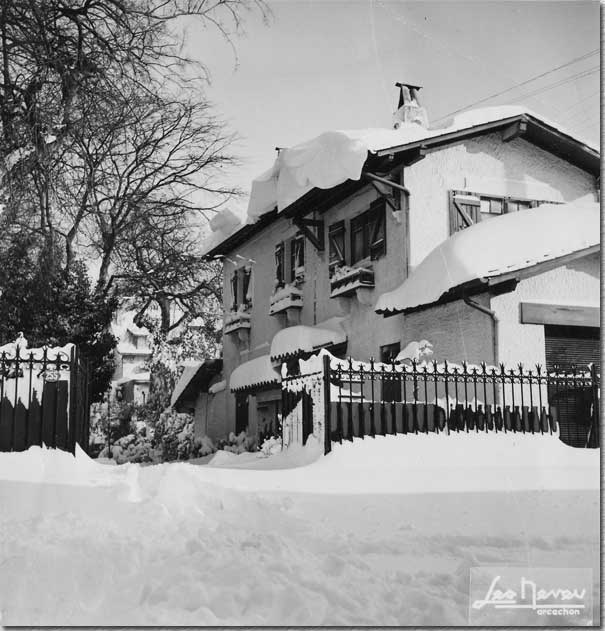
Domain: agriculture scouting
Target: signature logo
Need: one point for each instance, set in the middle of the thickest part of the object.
(514, 596)
(530, 596)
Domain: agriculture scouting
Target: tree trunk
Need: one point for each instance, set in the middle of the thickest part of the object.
(165, 312)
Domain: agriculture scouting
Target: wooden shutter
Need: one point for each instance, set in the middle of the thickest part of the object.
(336, 238)
(279, 264)
(465, 210)
(234, 283)
(297, 256)
(246, 290)
(377, 232)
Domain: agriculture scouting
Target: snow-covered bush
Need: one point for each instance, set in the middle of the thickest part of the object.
(174, 437)
(271, 446)
(238, 444)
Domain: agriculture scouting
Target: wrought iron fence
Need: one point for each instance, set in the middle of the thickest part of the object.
(43, 399)
(370, 398)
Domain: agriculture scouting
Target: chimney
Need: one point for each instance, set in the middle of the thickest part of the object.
(409, 109)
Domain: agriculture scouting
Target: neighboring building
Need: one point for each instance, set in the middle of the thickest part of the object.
(350, 216)
(131, 377)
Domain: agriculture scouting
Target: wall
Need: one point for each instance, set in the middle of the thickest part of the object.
(577, 283)
(456, 331)
(484, 165)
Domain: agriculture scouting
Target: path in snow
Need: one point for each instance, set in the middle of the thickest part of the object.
(173, 544)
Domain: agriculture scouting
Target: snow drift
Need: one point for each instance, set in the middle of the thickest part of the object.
(494, 247)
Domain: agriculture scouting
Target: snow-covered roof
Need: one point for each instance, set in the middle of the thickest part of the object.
(298, 339)
(126, 348)
(254, 373)
(137, 330)
(337, 156)
(190, 370)
(135, 376)
(494, 247)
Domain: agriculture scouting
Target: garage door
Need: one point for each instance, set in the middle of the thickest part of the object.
(569, 347)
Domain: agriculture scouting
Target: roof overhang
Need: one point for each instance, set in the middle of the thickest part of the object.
(253, 375)
(495, 285)
(385, 160)
(196, 380)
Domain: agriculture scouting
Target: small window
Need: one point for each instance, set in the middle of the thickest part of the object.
(468, 208)
(336, 238)
(368, 235)
(297, 258)
(391, 388)
(514, 205)
(241, 288)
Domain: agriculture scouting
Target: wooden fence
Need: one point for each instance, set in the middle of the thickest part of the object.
(43, 400)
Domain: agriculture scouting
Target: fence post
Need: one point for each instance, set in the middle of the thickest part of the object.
(72, 432)
(594, 438)
(326, 393)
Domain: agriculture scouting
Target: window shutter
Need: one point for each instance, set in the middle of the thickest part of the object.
(465, 210)
(297, 257)
(279, 264)
(247, 287)
(336, 238)
(234, 290)
(377, 233)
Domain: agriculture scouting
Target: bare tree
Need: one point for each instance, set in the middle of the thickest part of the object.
(109, 144)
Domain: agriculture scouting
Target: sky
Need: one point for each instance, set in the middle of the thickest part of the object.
(332, 64)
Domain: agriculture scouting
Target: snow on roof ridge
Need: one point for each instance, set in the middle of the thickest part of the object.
(486, 250)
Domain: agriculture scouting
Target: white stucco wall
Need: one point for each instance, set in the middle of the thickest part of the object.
(577, 283)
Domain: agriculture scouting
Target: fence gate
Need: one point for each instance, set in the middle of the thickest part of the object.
(44, 399)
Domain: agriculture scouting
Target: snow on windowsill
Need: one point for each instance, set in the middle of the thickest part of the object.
(347, 280)
(286, 297)
(235, 320)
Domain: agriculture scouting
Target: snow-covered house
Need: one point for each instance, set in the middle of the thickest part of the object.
(342, 231)
(131, 377)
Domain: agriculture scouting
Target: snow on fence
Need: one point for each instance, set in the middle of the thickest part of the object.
(43, 398)
(360, 399)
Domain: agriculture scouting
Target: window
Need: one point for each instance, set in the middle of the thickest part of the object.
(368, 237)
(241, 288)
(469, 208)
(297, 257)
(391, 390)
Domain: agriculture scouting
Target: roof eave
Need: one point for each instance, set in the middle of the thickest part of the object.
(498, 283)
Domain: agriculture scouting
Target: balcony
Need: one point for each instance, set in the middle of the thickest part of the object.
(238, 322)
(346, 281)
(284, 298)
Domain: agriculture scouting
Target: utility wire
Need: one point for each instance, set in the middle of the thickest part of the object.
(518, 85)
(579, 75)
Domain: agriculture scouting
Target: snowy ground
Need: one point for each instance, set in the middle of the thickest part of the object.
(380, 532)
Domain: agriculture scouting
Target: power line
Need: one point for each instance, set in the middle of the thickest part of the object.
(575, 77)
(518, 85)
